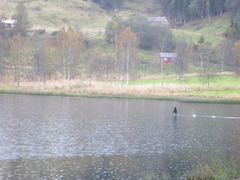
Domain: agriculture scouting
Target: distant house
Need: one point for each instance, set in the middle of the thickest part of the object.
(9, 23)
(167, 57)
(160, 20)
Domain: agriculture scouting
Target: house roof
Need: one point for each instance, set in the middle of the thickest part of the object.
(157, 19)
(9, 22)
(168, 55)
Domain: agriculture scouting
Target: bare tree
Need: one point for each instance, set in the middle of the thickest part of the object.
(2, 54)
(224, 54)
(41, 63)
(206, 60)
(19, 54)
(115, 27)
(183, 50)
(165, 39)
(70, 44)
(236, 51)
(128, 43)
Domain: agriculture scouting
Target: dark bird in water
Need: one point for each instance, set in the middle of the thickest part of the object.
(175, 111)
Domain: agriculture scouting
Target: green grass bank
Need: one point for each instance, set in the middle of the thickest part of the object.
(224, 90)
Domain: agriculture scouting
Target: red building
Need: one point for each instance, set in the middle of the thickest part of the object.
(167, 57)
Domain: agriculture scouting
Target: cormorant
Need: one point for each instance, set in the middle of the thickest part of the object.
(175, 111)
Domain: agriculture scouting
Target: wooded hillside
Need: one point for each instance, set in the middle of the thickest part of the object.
(93, 15)
(187, 10)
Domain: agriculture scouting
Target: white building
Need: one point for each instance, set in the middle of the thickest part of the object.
(161, 20)
(167, 57)
(9, 23)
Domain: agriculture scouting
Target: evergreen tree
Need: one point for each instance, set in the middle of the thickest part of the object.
(185, 10)
(201, 40)
(109, 4)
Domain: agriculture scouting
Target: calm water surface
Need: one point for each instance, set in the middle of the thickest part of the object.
(82, 138)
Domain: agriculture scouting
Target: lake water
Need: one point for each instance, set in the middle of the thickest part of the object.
(86, 138)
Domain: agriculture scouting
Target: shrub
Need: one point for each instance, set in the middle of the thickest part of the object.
(201, 173)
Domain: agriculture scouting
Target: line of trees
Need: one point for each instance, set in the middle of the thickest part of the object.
(41, 56)
(182, 11)
(66, 54)
(185, 10)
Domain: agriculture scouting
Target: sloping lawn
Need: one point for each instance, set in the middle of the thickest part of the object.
(216, 82)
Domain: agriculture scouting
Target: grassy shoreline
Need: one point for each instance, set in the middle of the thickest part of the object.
(224, 90)
(185, 99)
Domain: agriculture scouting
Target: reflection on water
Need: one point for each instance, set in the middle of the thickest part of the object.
(81, 138)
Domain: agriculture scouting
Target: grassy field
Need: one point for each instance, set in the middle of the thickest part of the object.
(222, 86)
(85, 15)
(195, 36)
(211, 30)
(219, 81)
(53, 15)
(215, 93)
(216, 26)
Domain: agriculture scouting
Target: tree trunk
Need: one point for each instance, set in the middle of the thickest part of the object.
(201, 59)
(18, 68)
(116, 55)
(128, 60)
(208, 79)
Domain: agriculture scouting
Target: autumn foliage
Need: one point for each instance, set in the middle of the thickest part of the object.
(128, 43)
(69, 44)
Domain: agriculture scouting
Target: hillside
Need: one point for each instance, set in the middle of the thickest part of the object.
(83, 14)
(90, 18)
(212, 30)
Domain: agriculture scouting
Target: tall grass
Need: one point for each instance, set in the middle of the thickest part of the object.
(216, 170)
